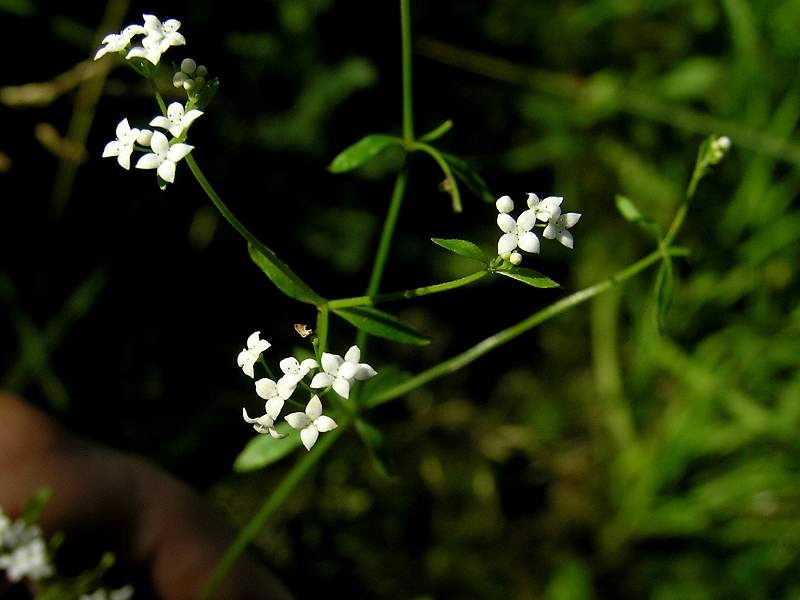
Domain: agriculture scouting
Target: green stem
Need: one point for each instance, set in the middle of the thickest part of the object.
(386, 241)
(408, 107)
(322, 330)
(270, 505)
(405, 294)
(448, 173)
(161, 104)
(502, 337)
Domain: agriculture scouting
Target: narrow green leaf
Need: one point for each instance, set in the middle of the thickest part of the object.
(631, 213)
(282, 276)
(388, 378)
(381, 324)
(664, 289)
(529, 276)
(359, 153)
(375, 445)
(35, 505)
(462, 248)
(470, 176)
(435, 134)
(264, 450)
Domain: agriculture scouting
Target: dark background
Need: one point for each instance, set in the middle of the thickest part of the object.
(510, 480)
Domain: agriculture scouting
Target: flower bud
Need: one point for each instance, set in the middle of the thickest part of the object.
(201, 71)
(179, 79)
(188, 66)
(144, 137)
(515, 258)
(505, 204)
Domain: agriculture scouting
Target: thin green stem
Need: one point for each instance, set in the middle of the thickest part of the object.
(386, 240)
(405, 294)
(502, 337)
(322, 330)
(159, 98)
(408, 106)
(448, 173)
(270, 505)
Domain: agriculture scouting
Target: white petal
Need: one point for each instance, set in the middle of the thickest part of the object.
(529, 242)
(174, 39)
(309, 436)
(190, 117)
(353, 354)
(307, 365)
(342, 387)
(365, 372)
(273, 407)
(526, 220)
(290, 365)
(149, 161)
(550, 231)
(266, 388)
(565, 237)
(533, 200)
(112, 149)
(314, 407)
(124, 157)
(178, 151)
(122, 128)
(161, 121)
(297, 420)
(504, 204)
(348, 370)
(145, 137)
(175, 112)
(569, 219)
(171, 25)
(506, 243)
(321, 380)
(331, 362)
(166, 170)
(159, 143)
(176, 130)
(102, 52)
(247, 417)
(253, 339)
(275, 433)
(549, 208)
(151, 23)
(287, 385)
(324, 424)
(506, 223)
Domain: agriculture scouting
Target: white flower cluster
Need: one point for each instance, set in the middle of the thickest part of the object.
(336, 372)
(163, 154)
(23, 553)
(123, 593)
(517, 232)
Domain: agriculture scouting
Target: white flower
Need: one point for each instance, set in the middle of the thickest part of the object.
(123, 593)
(340, 373)
(159, 37)
(267, 389)
(117, 42)
(546, 209)
(557, 228)
(293, 372)
(176, 121)
(145, 137)
(517, 233)
(163, 157)
(29, 560)
(311, 423)
(122, 147)
(504, 204)
(248, 357)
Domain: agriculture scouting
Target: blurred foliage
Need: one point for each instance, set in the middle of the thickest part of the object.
(592, 458)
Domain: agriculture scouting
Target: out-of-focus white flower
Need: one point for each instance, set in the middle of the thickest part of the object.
(311, 422)
(247, 358)
(117, 42)
(546, 209)
(557, 228)
(164, 156)
(293, 373)
(517, 233)
(176, 120)
(339, 373)
(28, 560)
(123, 593)
(122, 147)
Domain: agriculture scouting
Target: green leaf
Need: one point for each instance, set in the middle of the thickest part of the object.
(264, 450)
(664, 289)
(529, 276)
(35, 505)
(282, 276)
(359, 153)
(462, 248)
(469, 175)
(389, 377)
(631, 213)
(381, 324)
(375, 445)
(20, 8)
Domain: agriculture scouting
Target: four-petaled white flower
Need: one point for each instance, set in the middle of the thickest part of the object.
(311, 422)
(158, 38)
(117, 42)
(517, 233)
(122, 147)
(27, 560)
(546, 209)
(339, 373)
(293, 373)
(557, 228)
(164, 156)
(248, 357)
(176, 120)
(268, 390)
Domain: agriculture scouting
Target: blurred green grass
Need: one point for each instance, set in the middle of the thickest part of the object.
(594, 458)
